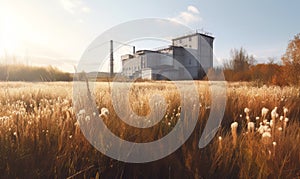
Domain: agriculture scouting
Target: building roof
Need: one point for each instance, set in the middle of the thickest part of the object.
(193, 34)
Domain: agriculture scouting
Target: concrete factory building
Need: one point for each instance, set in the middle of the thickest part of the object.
(180, 61)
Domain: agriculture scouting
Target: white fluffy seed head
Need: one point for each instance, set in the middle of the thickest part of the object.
(234, 125)
(81, 112)
(281, 118)
(266, 138)
(264, 111)
(274, 113)
(266, 134)
(246, 110)
(104, 111)
(286, 119)
(285, 110)
(247, 118)
(271, 123)
(251, 126)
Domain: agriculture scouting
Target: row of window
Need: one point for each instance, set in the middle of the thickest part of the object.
(190, 39)
(133, 68)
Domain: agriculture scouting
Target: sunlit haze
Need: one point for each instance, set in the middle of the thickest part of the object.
(57, 32)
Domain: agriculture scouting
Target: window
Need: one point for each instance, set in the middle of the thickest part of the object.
(190, 38)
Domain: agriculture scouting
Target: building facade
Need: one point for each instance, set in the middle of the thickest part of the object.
(189, 57)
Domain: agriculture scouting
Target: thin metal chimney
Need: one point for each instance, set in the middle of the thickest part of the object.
(111, 58)
(133, 50)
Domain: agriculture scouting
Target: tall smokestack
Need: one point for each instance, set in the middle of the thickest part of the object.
(111, 58)
(133, 49)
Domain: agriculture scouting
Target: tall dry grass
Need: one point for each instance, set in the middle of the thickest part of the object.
(40, 136)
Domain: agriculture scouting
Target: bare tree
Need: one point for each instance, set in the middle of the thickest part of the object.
(291, 60)
(239, 61)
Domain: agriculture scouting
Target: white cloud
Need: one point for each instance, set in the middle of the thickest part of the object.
(75, 6)
(189, 16)
(193, 9)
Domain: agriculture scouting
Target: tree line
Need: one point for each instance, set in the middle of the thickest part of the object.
(243, 67)
(18, 72)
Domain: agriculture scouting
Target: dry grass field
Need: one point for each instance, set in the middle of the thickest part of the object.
(41, 138)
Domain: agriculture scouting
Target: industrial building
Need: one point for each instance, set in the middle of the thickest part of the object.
(189, 56)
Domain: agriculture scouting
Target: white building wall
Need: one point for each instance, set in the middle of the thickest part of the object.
(201, 46)
(131, 65)
(157, 60)
(187, 42)
(195, 47)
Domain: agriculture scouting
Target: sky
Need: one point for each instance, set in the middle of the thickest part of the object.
(58, 32)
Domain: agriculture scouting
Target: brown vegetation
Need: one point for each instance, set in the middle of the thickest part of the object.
(40, 137)
(242, 67)
(17, 72)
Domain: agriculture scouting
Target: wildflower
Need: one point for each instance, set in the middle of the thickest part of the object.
(248, 119)
(266, 137)
(281, 118)
(257, 118)
(251, 126)
(265, 121)
(274, 144)
(264, 112)
(179, 108)
(87, 118)
(247, 110)
(285, 111)
(261, 129)
(81, 112)
(234, 127)
(104, 111)
(169, 123)
(220, 144)
(274, 113)
(271, 123)
(70, 136)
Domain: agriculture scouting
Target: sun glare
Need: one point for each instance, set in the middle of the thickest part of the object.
(10, 36)
(17, 33)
